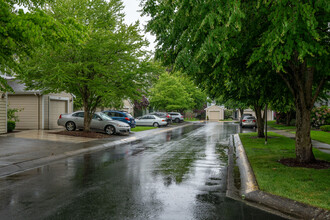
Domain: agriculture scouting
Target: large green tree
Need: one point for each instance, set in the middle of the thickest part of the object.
(21, 32)
(174, 92)
(213, 40)
(106, 66)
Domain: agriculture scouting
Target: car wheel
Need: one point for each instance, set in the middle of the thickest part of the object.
(70, 126)
(156, 124)
(177, 120)
(110, 130)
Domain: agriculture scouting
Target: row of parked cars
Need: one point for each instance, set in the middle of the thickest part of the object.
(116, 122)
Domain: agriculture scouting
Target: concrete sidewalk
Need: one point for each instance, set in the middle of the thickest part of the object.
(319, 145)
(26, 150)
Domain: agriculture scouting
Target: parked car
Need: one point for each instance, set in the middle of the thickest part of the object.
(121, 116)
(240, 121)
(151, 120)
(176, 116)
(249, 121)
(100, 122)
(164, 115)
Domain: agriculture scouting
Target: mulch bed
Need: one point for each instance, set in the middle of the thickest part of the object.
(82, 134)
(318, 164)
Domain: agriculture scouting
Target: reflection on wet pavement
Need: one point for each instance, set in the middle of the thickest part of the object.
(177, 175)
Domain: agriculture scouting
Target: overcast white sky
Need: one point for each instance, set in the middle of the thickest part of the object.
(132, 14)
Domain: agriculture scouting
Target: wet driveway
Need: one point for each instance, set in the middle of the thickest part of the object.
(176, 175)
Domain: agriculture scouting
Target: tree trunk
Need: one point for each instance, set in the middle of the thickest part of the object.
(240, 119)
(300, 81)
(304, 151)
(288, 118)
(260, 121)
(87, 119)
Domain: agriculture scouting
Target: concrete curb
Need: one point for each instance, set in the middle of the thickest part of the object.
(31, 164)
(250, 191)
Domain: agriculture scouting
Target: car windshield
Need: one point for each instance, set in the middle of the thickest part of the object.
(104, 116)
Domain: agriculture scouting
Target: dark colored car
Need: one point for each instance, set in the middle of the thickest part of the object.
(164, 115)
(121, 116)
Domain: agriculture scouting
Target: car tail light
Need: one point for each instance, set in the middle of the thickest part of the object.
(127, 119)
(167, 116)
(60, 116)
(244, 120)
(163, 120)
(181, 116)
(254, 120)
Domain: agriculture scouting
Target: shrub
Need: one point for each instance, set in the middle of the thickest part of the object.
(228, 114)
(320, 116)
(293, 122)
(11, 126)
(11, 114)
(325, 128)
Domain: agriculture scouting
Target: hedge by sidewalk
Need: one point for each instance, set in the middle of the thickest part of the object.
(306, 185)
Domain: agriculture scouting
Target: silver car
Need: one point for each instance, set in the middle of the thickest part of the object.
(177, 117)
(249, 121)
(151, 120)
(100, 122)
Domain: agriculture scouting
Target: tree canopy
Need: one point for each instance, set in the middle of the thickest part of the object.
(21, 32)
(106, 66)
(174, 92)
(249, 41)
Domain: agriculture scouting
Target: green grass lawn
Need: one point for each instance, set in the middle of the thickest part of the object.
(142, 128)
(191, 119)
(280, 126)
(309, 186)
(229, 119)
(317, 135)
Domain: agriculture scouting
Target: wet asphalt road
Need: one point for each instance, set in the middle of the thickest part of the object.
(176, 175)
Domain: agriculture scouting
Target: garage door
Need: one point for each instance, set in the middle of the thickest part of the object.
(214, 116)
(28, 116)
(57, 107)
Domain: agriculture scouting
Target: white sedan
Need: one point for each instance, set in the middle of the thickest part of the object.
(150, 120)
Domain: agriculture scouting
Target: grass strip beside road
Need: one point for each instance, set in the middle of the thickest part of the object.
(321, 136)
(280, 126)
(191, 119)
(141, 128)
(306, 185)
(317, 135)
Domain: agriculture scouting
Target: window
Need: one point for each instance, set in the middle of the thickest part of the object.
(117, 114)
(95, 116)
(79, 114)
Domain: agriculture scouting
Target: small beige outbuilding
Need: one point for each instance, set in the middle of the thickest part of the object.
(215, 113)
(38, 110)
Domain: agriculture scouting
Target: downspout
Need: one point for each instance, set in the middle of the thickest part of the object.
(42, 112)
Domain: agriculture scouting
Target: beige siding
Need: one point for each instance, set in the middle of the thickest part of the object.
(3, 114)
(54, 105)
(250, 111)
(57, 107)
(215, 113)
(29, 114)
